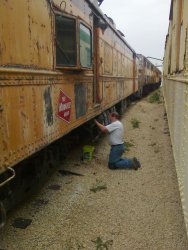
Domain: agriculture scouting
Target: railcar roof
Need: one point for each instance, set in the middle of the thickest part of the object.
(98, 11)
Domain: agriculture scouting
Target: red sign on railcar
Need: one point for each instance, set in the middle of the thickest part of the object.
(64, 106)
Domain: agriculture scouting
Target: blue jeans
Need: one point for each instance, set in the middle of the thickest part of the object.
(115, 160)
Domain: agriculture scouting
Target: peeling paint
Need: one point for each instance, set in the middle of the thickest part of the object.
(48, 106)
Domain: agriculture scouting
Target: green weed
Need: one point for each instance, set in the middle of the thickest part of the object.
(100, 244)
(135, 123)
(98, 187)
(128, 145)
(155, 97)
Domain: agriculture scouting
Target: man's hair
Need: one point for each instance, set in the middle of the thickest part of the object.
(115, 114)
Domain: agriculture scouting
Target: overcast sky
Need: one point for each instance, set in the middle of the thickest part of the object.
(144, 23)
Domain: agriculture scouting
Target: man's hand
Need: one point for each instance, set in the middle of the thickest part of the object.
(101, 127)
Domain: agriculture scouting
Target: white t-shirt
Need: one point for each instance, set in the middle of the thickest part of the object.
(116, 133)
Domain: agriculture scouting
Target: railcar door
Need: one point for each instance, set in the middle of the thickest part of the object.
(97, 82)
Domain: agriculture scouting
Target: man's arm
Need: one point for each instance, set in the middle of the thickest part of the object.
(101, 127)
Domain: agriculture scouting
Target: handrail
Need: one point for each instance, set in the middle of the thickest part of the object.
(10, 178)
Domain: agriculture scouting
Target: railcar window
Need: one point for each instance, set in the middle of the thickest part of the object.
(85, 46)
(66, 54)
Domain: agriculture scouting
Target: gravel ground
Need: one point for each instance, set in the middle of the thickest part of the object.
(109, 209)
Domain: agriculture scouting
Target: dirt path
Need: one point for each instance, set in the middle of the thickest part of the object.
(105, 209)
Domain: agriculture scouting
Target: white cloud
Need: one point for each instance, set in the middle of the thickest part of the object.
(144, 23)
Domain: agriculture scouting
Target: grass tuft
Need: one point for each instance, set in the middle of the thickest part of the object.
(155, 97)
(128, 145)
(100, 244)
(98, 187)
(135, 123)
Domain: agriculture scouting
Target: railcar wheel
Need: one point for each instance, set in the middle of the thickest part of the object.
(2, 215)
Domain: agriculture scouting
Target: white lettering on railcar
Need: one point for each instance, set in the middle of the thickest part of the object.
(64, 106)
(66, 113)
(63, 98)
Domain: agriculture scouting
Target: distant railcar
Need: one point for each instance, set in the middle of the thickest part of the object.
(62, 63)
(175, 79)
(149, 76)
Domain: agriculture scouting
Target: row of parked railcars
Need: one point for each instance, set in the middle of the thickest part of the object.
(176, 92)
(62, 63)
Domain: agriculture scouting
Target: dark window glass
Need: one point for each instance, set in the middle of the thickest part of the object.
(65, 41)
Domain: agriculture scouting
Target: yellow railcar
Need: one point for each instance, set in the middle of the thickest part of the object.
(175, 79)
(61, 63)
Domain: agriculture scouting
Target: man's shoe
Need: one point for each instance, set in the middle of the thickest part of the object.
(136, 163)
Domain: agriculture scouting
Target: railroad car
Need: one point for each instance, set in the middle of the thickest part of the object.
(62, 63)
(149, 76)
(175, 79)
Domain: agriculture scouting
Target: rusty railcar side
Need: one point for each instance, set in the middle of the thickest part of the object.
(49, 86)
(175, 79)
